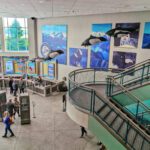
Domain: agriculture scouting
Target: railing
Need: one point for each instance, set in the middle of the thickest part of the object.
(126, 100)
(139, 72)
(88, 100)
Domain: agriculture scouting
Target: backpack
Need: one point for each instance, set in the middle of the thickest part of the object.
(63, 88)
(11, 120)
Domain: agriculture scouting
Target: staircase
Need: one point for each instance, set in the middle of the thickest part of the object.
(120, 124)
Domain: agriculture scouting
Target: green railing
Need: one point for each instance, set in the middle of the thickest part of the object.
(84, 97)
(118, 84)
(125, 99)
(136, 74)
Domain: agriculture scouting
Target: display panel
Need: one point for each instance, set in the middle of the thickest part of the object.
(129, 40)
(9, 67)
(0, 64)
(54, 37)
(18, 62)
(100, 51)
(51, 71)
(31, 67)
(146, 36)
(122, 60)
(78, 57)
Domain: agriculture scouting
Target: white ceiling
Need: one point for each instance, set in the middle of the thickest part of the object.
(54, 8)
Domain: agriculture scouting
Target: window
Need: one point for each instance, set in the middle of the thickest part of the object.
(0, 42)
(15, 34)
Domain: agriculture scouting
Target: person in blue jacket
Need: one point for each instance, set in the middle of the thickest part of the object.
(7, 122)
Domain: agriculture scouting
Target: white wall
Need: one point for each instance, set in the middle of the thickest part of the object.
(79, 28)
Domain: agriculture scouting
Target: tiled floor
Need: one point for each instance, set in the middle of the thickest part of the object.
(52, 129)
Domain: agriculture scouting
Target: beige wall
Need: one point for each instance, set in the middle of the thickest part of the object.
(79, 28)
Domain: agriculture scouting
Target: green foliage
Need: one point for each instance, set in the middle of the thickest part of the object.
(16, 39)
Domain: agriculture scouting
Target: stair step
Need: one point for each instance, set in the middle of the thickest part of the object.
(100, 109)
(146, 145)
(104, 111)
(117, 123)
(98, 104)
(138, 142)
(111, 117)
(131, 136)
(122, 132)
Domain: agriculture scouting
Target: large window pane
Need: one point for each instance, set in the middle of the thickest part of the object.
(16, 34)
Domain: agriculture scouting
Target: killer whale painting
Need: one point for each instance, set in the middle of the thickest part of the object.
(55, 37)
(130, 38)
(146, 36)
(78, 57)
(100, 52)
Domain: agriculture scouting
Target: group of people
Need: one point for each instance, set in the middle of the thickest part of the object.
(11, 108)
(14, 86)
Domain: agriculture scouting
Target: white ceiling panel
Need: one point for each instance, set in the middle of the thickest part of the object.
(54, 8)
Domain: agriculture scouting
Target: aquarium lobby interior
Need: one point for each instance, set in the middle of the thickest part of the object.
(74, 75)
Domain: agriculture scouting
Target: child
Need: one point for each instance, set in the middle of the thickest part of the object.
(7, 122)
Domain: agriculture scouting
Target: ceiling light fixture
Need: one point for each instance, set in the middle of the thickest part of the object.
(41, 1)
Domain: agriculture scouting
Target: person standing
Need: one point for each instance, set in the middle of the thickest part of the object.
(83, 131)
(21, 85)
(11, 85)
(7, 122)
(16, 107)
(10, 108)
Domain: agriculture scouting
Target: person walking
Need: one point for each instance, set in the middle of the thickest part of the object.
(7, 122)
(83, 131)
(64, 97)
(15, 88)
(11, 85)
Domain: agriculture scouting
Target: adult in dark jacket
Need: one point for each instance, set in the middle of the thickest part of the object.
(10, 107)
(11, 85)
(7, 122)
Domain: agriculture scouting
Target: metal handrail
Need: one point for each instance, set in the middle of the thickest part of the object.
(125, 118)
(129, 93)
(132, 68)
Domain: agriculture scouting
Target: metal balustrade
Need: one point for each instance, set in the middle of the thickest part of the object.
(137, 74)
(86, 98)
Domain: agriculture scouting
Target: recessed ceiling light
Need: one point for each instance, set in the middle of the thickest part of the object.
(41, 1)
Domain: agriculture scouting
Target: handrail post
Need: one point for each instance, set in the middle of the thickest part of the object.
(93, 102)
(91, 107)
(94, 76)
(142, 73)
(137, 109)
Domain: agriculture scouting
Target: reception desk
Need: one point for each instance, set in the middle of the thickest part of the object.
(46, 88)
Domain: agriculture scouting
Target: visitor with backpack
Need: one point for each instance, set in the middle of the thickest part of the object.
(7, 121)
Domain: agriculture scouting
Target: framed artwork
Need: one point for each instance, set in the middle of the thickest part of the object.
(0, 64)
(146, 36)
(9, 67)
(129, 40)
(54, 37)
(31, 67)
(100, 52)
(78, 57)
(122, 60)
(19, 63)
(51, 71)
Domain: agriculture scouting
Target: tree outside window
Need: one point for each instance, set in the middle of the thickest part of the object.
(16, 34)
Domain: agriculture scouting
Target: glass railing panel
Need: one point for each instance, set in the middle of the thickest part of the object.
(82, 97)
